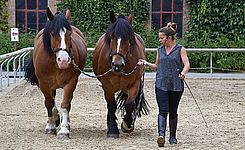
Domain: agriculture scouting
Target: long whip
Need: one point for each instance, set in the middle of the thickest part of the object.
(196, 103)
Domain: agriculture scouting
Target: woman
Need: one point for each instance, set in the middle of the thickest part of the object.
(171, 66)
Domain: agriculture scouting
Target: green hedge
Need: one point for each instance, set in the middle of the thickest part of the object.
(3, 16)
(25, 40)
(216, 24)
(93, 17)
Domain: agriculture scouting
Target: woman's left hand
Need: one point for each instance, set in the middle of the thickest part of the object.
(182, 76)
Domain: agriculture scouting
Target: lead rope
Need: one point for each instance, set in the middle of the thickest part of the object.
(83, 72)
(129, 73)
(103, 74)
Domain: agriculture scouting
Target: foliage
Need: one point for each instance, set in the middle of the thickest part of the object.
(25, 40)
(3, 16)
(213, 20)
(92, 16)
(216, 24)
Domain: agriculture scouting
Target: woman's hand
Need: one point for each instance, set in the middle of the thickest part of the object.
(182, 76)
(142, 62)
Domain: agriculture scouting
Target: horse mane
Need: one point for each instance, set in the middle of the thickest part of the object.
(54, 26)
(120, 28)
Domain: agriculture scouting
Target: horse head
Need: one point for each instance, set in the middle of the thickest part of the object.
(57, 34)
(119, 37)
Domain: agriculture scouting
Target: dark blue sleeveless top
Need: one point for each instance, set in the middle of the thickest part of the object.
(168, 68)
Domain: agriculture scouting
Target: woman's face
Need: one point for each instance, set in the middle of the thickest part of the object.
(162, 38)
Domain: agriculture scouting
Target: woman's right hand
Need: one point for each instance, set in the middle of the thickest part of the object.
(142, 62)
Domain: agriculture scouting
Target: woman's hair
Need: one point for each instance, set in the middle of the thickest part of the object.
(170, 29)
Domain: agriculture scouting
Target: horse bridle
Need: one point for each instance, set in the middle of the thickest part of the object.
(69, 51)
(116, 53)
(124, 58)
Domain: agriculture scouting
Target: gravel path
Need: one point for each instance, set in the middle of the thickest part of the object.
(23, 118)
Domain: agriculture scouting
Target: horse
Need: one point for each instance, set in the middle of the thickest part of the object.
(59, 52)
(114, 63)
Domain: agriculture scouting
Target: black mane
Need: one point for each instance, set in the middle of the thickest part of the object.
(120, 28)
(54, 26)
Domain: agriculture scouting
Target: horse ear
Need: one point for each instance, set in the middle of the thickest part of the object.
(68, 14)
(112, 17)
(49, 14)
(130, 18)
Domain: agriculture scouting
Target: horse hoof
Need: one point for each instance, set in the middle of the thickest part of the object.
(50, 131)
(125, 128)
(113, 135)
(63, 136)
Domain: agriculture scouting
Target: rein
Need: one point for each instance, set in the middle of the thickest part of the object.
(103, 74)
(83, 72)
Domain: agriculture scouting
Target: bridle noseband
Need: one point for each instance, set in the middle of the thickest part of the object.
(121, 55)
(69, 51)
(116, 53)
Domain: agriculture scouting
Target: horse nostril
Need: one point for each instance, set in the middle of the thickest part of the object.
(69, 60)
(112, 63)
(122, 65)
(59, 59)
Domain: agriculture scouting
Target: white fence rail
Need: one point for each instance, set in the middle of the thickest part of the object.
(17, 60)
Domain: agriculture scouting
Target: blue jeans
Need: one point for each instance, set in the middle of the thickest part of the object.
(168, 102)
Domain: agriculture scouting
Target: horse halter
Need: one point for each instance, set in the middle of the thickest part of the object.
(69, 51)
(120, 54)
(118, 66)
(116, 53)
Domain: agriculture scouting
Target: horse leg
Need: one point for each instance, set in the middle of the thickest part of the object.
(127, 125)
(112, 129)
(51, 109)
(64, 131)
(55, 110)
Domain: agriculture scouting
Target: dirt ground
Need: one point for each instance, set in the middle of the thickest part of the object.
(23, 118)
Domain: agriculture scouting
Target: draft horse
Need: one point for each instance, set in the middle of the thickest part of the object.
(58, 48)
(117, 53)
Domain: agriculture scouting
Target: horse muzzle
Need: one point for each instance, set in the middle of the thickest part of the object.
(63, 59)
(118, 62)
(117, 67)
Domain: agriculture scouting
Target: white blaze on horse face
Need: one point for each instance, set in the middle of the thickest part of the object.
(118, 44)
(62, 57)
(118, 47)
(62, 36)
(118, 59)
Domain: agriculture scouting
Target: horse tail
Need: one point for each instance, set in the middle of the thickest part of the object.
(30, 72)
(142, 106)
(121, 100)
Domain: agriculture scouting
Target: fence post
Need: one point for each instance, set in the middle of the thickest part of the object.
(1, 72)
(8, 69)
(211, 63)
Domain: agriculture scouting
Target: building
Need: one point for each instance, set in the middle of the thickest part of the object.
(30, 15)
(164, 11)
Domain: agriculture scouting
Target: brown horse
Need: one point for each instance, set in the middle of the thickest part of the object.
(57, 49)
(115, 63)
